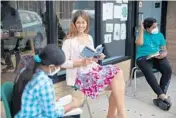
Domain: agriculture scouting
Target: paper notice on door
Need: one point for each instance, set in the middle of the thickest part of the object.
(117, 11)
(104, 12)
(125, 1)
(109, 27)
(107, 11)
(107, 38)
(123, 31)
(119, 1)
(117, 32)
(124, 12)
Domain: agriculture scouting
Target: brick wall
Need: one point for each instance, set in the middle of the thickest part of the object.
(171, 34)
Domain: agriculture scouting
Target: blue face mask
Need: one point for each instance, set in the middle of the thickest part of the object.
(155, 31)
(54, 72)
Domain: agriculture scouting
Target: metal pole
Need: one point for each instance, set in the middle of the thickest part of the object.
(51, 25)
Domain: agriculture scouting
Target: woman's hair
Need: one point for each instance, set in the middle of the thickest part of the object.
(51, 54)
(73, 31)
(148, 22)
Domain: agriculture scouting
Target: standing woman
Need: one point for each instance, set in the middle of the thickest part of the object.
(86, 74)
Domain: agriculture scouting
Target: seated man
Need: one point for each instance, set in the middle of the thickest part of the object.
(151, 42)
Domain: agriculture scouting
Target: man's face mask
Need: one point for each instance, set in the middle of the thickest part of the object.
(155, 30)
(52, 73)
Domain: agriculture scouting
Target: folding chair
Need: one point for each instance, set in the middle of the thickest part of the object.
(134, 73)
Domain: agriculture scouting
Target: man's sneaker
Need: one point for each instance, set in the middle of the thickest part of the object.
(163, 104)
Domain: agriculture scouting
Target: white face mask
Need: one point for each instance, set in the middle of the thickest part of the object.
(54, 72)
(155, 31)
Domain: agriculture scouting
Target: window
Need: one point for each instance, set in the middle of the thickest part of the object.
(27, 14)
(25, 18)
(35, 6)
(113, 28)
(65, 10)
(34, 18)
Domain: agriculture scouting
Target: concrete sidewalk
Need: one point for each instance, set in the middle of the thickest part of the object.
(140, 106)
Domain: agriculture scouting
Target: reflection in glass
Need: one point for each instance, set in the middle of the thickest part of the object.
(65, 10)
(25, 30)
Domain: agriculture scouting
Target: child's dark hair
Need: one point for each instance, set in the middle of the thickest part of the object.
(148, 22)
(51, 54)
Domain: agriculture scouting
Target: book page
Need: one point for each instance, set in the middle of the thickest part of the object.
(99, 49)
(153, 55)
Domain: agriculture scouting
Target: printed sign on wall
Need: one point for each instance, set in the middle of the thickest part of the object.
(125, 1)
(123, 31)
(107, 38)
(124, 12)
(119, 1)
(107, 11)
(117, 11)
(117, 32)
(109, 27)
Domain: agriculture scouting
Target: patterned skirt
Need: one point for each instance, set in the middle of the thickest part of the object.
(94, 81)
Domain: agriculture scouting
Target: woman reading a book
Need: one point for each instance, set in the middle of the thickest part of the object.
(152, 53)
(85, 74)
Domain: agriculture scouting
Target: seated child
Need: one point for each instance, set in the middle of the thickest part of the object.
(38, 97)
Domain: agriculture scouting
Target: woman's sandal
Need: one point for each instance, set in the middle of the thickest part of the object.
(163, 104)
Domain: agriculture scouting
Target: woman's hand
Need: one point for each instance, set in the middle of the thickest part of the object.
(87, 61)
(102, 56)
(95, 59)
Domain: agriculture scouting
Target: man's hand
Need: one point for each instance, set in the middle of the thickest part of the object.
(162, 55)
(141, 26)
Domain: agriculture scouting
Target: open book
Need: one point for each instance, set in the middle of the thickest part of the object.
(152, 55)
(88, 52)
(66, 100)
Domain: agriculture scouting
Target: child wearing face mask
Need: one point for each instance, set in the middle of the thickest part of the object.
(38, 97)
(151, 41)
